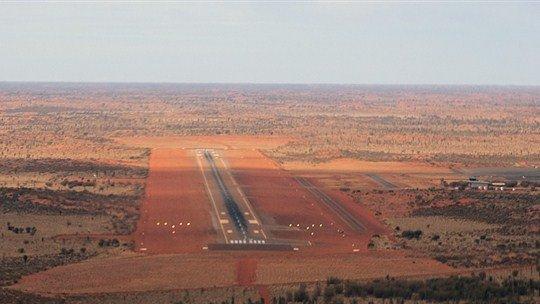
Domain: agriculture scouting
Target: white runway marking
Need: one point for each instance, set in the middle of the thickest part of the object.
(257, 221)
(212, 199)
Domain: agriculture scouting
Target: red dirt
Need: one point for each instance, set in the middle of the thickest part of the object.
(134, 273)
(264, 293)
(361, 166)
(175, 215)
(175, 193)
(368, 219)
(277, 197)
(210, 142)
(210, 269)
(282, 201)
(246, 271)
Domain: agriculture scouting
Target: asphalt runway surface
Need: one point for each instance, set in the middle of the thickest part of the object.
(233, 210)
(237, 219)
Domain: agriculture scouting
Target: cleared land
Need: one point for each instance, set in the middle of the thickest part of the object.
(175, 214)
(170, 272)
(93, 168)
(288, 211)
(238, 221)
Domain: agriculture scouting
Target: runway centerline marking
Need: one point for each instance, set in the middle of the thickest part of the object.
(212, 199)
(248, 204)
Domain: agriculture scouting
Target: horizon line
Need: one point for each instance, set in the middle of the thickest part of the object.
(269, 83)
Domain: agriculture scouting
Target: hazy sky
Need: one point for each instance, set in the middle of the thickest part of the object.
(460, 43)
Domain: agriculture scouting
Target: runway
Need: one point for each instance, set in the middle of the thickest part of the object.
(237, 221)
(345, 215)
(386, 184)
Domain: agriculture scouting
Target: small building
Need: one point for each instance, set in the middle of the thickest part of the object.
(499, 186)
(474, 183)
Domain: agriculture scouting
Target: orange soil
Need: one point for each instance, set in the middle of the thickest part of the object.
(217, 269)
(137, 273)
(246, 271)
(211, 142)
(264, 293)
(281, 200)
(175, 215)
(293, 269)
(347, 165)
(368, 219)
(176, 193)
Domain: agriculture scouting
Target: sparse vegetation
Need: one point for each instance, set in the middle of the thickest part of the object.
(68, 162)
(463, 228)
(476, 289)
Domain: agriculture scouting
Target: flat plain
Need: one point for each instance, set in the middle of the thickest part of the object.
(198, 191)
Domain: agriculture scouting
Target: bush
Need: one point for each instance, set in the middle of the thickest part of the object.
(333, 280)
(65, 251)
(109, 243)
(301, 295)
(329, 292)
(412, 234)
(458, 289)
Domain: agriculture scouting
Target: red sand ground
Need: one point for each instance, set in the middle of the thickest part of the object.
(361, 166)
(176, 194)
(282, 201)
(218, 269)
(264, 293)
(246, 275)
(176, 214)
(210, 142)
(134, 273)
(246, 271)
